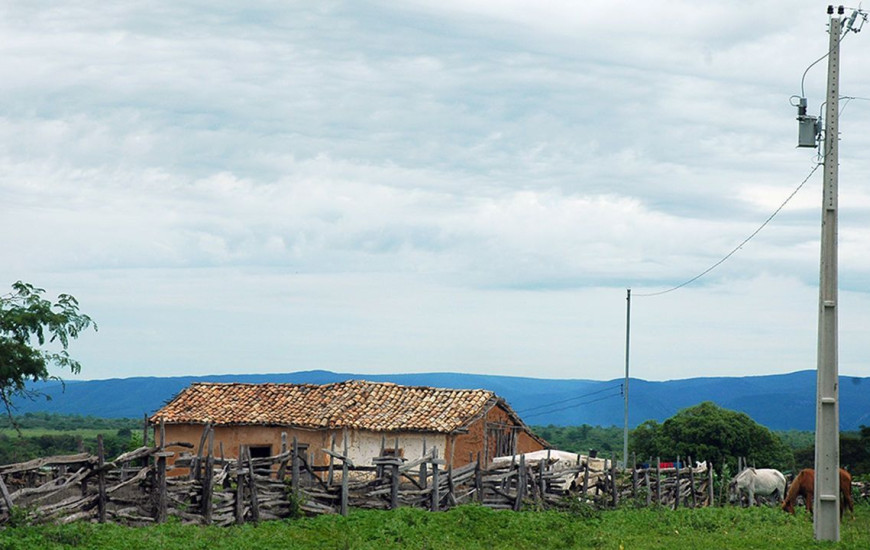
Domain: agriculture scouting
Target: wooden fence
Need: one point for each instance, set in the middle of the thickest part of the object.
(138, 488)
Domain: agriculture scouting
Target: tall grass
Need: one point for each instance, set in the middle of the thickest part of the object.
(467, 527)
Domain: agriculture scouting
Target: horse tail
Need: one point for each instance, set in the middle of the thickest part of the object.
(846, 491)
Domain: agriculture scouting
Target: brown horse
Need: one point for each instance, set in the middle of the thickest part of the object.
(803, 485)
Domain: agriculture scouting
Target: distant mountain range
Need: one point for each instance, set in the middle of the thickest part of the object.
(780, 402)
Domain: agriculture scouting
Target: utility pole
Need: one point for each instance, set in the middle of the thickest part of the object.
(625, 384)
(826, 500)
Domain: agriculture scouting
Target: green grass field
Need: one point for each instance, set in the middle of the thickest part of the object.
(84, 433)
(467, 527)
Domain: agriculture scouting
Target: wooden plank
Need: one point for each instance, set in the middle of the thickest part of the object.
(343, 458)
(38, 463)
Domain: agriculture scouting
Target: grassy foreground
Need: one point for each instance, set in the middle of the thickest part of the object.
(467, 527)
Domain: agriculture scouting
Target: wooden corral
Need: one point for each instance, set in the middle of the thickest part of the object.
(138, 488)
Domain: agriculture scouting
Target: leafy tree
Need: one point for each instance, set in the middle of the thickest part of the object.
(644, 440)
(854, 452)
(581, 439)
(709, 432)
(27, 322)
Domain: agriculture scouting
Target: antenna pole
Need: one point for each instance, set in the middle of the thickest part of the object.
(826, 501)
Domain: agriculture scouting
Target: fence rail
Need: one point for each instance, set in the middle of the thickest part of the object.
(139, 488)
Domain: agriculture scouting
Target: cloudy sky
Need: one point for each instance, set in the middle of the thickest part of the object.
(466, 186)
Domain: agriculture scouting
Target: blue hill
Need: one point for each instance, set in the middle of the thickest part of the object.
(780, 402)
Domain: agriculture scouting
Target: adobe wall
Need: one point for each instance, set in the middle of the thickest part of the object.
(362, 445)
(466, 446)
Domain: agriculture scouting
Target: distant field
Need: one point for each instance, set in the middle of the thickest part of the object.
(468, 527)
(85, 433)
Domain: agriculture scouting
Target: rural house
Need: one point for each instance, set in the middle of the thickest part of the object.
(460, 423)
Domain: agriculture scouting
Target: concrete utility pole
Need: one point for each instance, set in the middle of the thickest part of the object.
(625, 387)
(826, 501)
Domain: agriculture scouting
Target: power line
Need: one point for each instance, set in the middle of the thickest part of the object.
(576, 397)
(617, 394)
(739, 246)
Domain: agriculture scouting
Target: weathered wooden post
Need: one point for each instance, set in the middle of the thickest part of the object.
(344, 480)
(282, 467)
(101, 481)
(145, 439)
(196, 461)
(394, 484)
(7, 498)
(586, 479)
(423, 472)
(521, 483)
(633, 475)
(379, 469)
(658, 481)
(451, 488)
(208, 480)
(240, 489)
(436, 495)
(677, 486)
(294, 468)
(478, 480)
(613, 480)
(647, 484)
(252, 481)
(710, 494)
(329, 472)
(161, 476)
(692, 483)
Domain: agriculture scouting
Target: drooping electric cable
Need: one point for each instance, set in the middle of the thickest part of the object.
(739, 246)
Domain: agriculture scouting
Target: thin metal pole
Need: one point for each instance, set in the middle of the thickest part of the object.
(826, 519)
(625, 384)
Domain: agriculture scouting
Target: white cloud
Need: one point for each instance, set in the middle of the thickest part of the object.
(431, 186)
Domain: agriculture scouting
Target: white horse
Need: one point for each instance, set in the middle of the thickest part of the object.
(761, 482)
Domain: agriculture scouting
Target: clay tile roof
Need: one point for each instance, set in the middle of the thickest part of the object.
(354, 404)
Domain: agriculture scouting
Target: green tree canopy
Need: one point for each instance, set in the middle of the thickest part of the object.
(34, 335)
(709, 432)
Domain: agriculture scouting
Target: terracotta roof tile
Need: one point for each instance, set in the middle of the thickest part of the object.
(353, 404)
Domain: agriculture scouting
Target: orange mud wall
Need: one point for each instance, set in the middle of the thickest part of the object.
(229, 439)
(463, 448)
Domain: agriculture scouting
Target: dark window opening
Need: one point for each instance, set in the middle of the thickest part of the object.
(260, 451)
